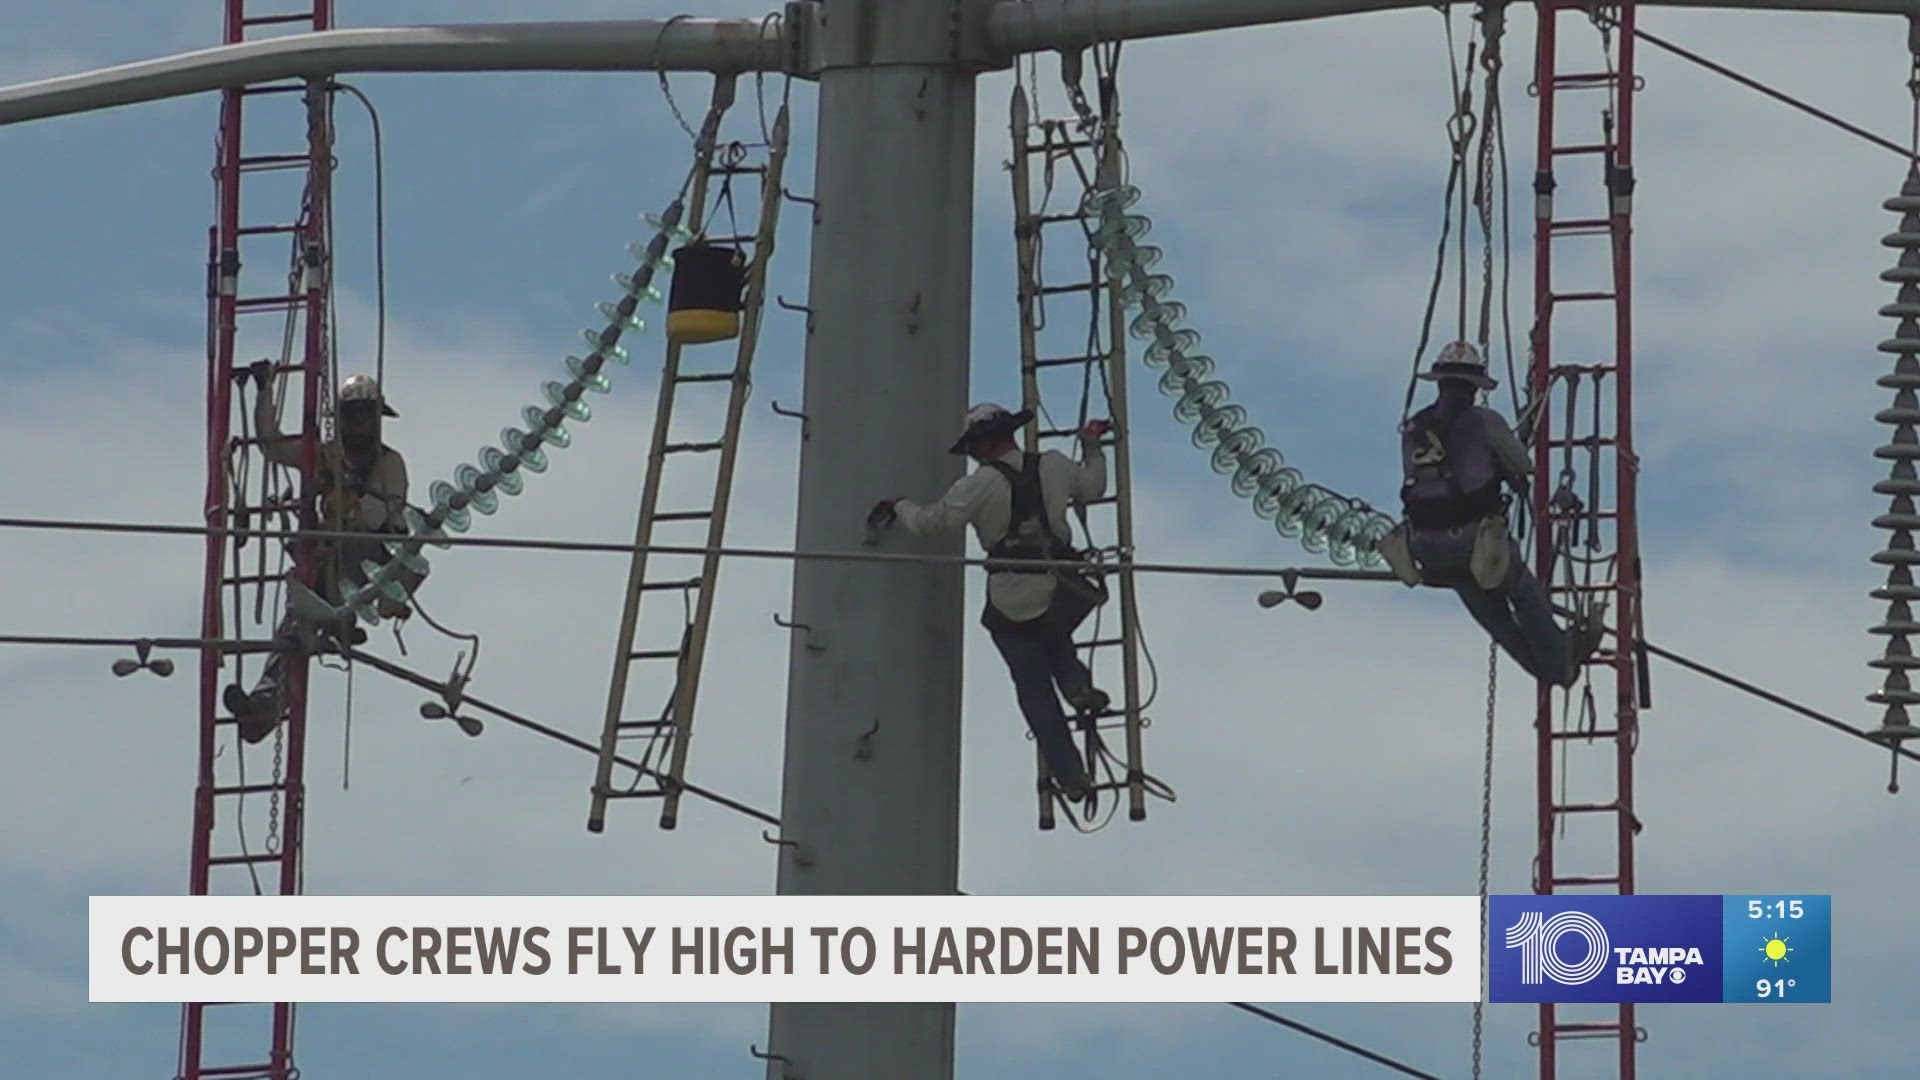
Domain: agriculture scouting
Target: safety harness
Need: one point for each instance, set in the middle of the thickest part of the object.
(1432, 497)
(1029, 534)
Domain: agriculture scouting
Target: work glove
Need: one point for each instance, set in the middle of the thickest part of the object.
(879, 518)
(1094, 429)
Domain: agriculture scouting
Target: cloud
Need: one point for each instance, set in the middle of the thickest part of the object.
(1294, 175)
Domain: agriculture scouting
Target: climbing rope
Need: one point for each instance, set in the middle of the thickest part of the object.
(1460, 128)
(1486, 841)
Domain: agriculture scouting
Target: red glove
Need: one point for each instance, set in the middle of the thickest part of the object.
(1094, 429)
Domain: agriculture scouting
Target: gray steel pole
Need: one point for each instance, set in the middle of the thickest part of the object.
(1017, 26)
(628, 45)
(871, 788)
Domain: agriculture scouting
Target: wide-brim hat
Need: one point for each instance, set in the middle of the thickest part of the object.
(1460, 362)
(989, 421)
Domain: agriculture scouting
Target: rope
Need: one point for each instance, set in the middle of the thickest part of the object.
(666, 91)
(1306, 573)
(1460, 126)
(379, 239)
(1486, 842)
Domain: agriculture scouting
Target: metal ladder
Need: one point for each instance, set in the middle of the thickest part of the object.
(265, 851)
(1585, 435)
(672, 667)
(1099, 352)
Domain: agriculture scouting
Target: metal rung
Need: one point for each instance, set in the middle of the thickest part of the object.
(254, 303)
(273, 161)
(1589, 1029)
(684, 515)
(1582, 148)
(248, 789)
(1057, 361)
(736, 170)
(1555, 298)
(1585, 79)
(655, 586)
(1615, 880)
(238, 860)
(1099, 643)
(640, 793)
(1582, 588)
(273, 88)
(1578, 225)
(250, 579)
(1598, 733)
(705, 376)
(238, 1072)
(1586, 440)
(691, 447)
(655, 654)
(274, 20)
(263, 230)
(1587, 808)
(1102, 500)
(644, 725)
(732, 241)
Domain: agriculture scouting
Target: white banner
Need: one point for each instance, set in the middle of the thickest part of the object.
(784, 948)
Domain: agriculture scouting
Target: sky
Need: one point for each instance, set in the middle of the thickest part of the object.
(1294, 175)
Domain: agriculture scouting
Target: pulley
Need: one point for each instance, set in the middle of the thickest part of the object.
(709, 287)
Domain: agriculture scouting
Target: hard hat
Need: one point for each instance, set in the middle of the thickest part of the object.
(988, 420)
(363, 388)
(1460, 360)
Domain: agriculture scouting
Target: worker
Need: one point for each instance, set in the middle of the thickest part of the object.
(1017, 504)
(1458, 457)
(363, 489)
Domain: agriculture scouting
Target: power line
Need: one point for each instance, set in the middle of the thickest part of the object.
(425, 683)
(1351, 1048)
(610, 547)
(1755, 84)
(435, 686)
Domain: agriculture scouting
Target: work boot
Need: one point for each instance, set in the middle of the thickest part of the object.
(1585, 636)
(1088, 700)
(257, 713)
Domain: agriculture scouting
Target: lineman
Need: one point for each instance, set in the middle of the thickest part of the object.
(363, 488)
(1457, 457)
(1017, 504)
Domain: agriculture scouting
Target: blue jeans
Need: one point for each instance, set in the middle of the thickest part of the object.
(1517, 614)
(1040, 655)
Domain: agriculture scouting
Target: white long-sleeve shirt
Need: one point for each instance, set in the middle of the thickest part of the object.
(984, 499)
(382, 498)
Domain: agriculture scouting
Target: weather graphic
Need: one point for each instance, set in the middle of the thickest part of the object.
(1777, 949)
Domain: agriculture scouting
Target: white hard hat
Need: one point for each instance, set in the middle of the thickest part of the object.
(363, 388)
(1459, 360)
(988, 419)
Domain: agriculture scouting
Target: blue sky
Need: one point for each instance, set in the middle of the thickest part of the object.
(1294, 175)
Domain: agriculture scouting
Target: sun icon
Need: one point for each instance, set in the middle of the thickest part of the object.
(1776, 950)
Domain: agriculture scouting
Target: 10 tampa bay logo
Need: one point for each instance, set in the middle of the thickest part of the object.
(1538, 938)
(1605, 949)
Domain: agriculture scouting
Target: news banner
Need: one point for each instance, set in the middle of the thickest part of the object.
(1646, 948)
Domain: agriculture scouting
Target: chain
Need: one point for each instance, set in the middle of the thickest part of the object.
(1486, 842)
(273, 805)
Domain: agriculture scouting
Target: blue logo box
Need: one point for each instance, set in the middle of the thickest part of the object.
(1617, 949)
